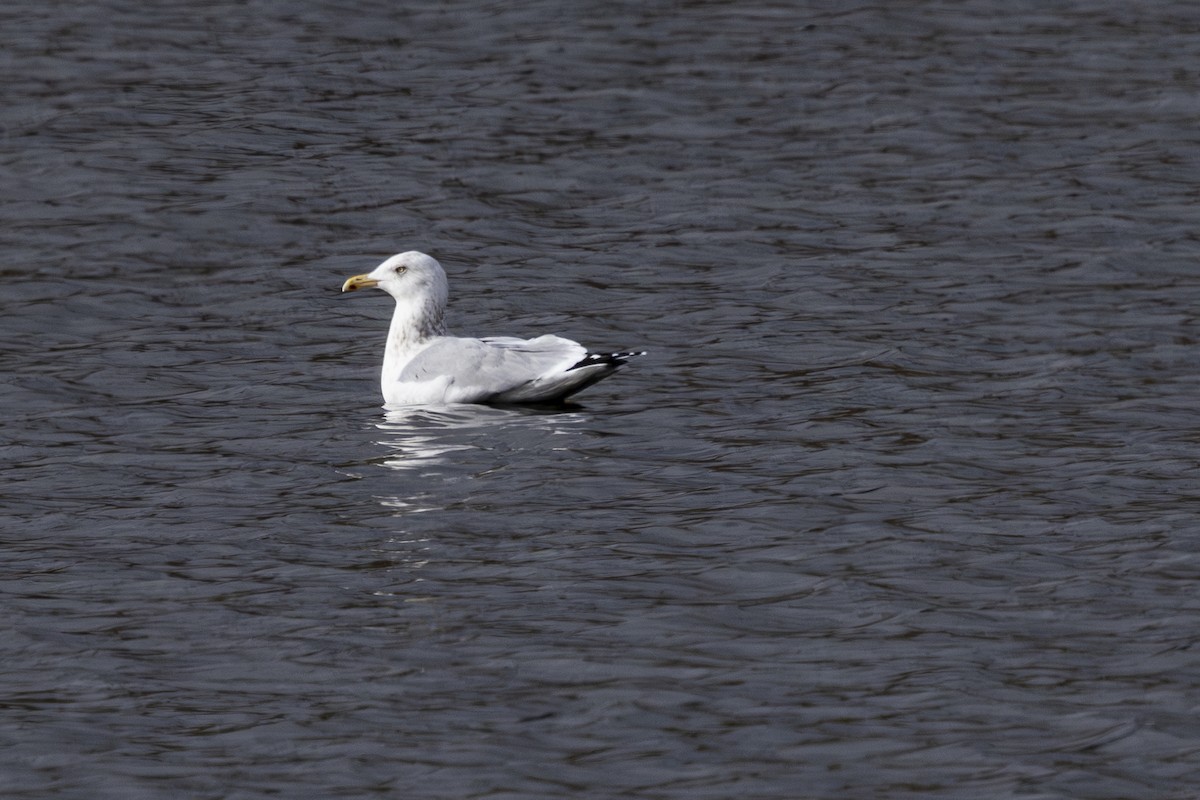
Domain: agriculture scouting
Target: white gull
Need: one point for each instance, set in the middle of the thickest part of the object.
(422, 365)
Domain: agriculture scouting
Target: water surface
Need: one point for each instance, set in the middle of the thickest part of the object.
(902, 503)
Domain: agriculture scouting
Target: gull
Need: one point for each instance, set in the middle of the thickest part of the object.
(423, 365)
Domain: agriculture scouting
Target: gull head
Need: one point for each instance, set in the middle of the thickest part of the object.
(407, 275)
(418, 284)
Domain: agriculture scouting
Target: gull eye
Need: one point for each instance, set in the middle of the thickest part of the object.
(400, 269)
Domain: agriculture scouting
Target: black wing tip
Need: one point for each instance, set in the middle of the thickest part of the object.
(613, 360)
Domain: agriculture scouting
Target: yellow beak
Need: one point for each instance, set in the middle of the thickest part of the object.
(359, 282)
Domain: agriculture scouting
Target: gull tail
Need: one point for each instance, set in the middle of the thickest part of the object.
(613, 360)
(556, 387)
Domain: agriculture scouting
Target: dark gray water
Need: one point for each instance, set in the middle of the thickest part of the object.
(902, 504)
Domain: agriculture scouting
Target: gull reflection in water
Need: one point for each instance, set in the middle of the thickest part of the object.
(441, 460)
(424, 438)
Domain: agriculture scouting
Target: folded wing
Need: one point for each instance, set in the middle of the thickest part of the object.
(509, 370)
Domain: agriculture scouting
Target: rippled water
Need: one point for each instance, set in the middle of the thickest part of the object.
(902, 503)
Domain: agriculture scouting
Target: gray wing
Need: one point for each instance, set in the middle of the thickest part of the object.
(503, 369)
